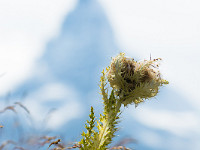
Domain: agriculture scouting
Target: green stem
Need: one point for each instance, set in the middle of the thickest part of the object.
(107, 123)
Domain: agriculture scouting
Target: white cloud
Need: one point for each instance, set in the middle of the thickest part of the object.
(54, 92)
(64, 114)
(25, 28)
(69, 106)
(183, 124)
(157, 22)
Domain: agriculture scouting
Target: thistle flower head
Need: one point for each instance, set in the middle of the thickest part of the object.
(134, 81)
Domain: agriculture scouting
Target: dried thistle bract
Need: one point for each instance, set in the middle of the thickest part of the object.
(134, 81)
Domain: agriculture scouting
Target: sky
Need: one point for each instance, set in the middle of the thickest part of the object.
(169, 29)
(166, 29)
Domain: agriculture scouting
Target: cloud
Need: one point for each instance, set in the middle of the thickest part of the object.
(182, 124)
(53, 105)
(154, 22)
(26, 26)
(54, 92)
(64, 114)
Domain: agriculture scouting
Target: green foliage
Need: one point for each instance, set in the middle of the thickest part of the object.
(106, 126)
(88, 138)
(131, 82)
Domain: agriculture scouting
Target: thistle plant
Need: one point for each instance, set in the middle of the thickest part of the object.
(124, 82)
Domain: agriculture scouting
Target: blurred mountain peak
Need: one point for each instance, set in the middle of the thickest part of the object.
(79, 52)
(86, 40)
